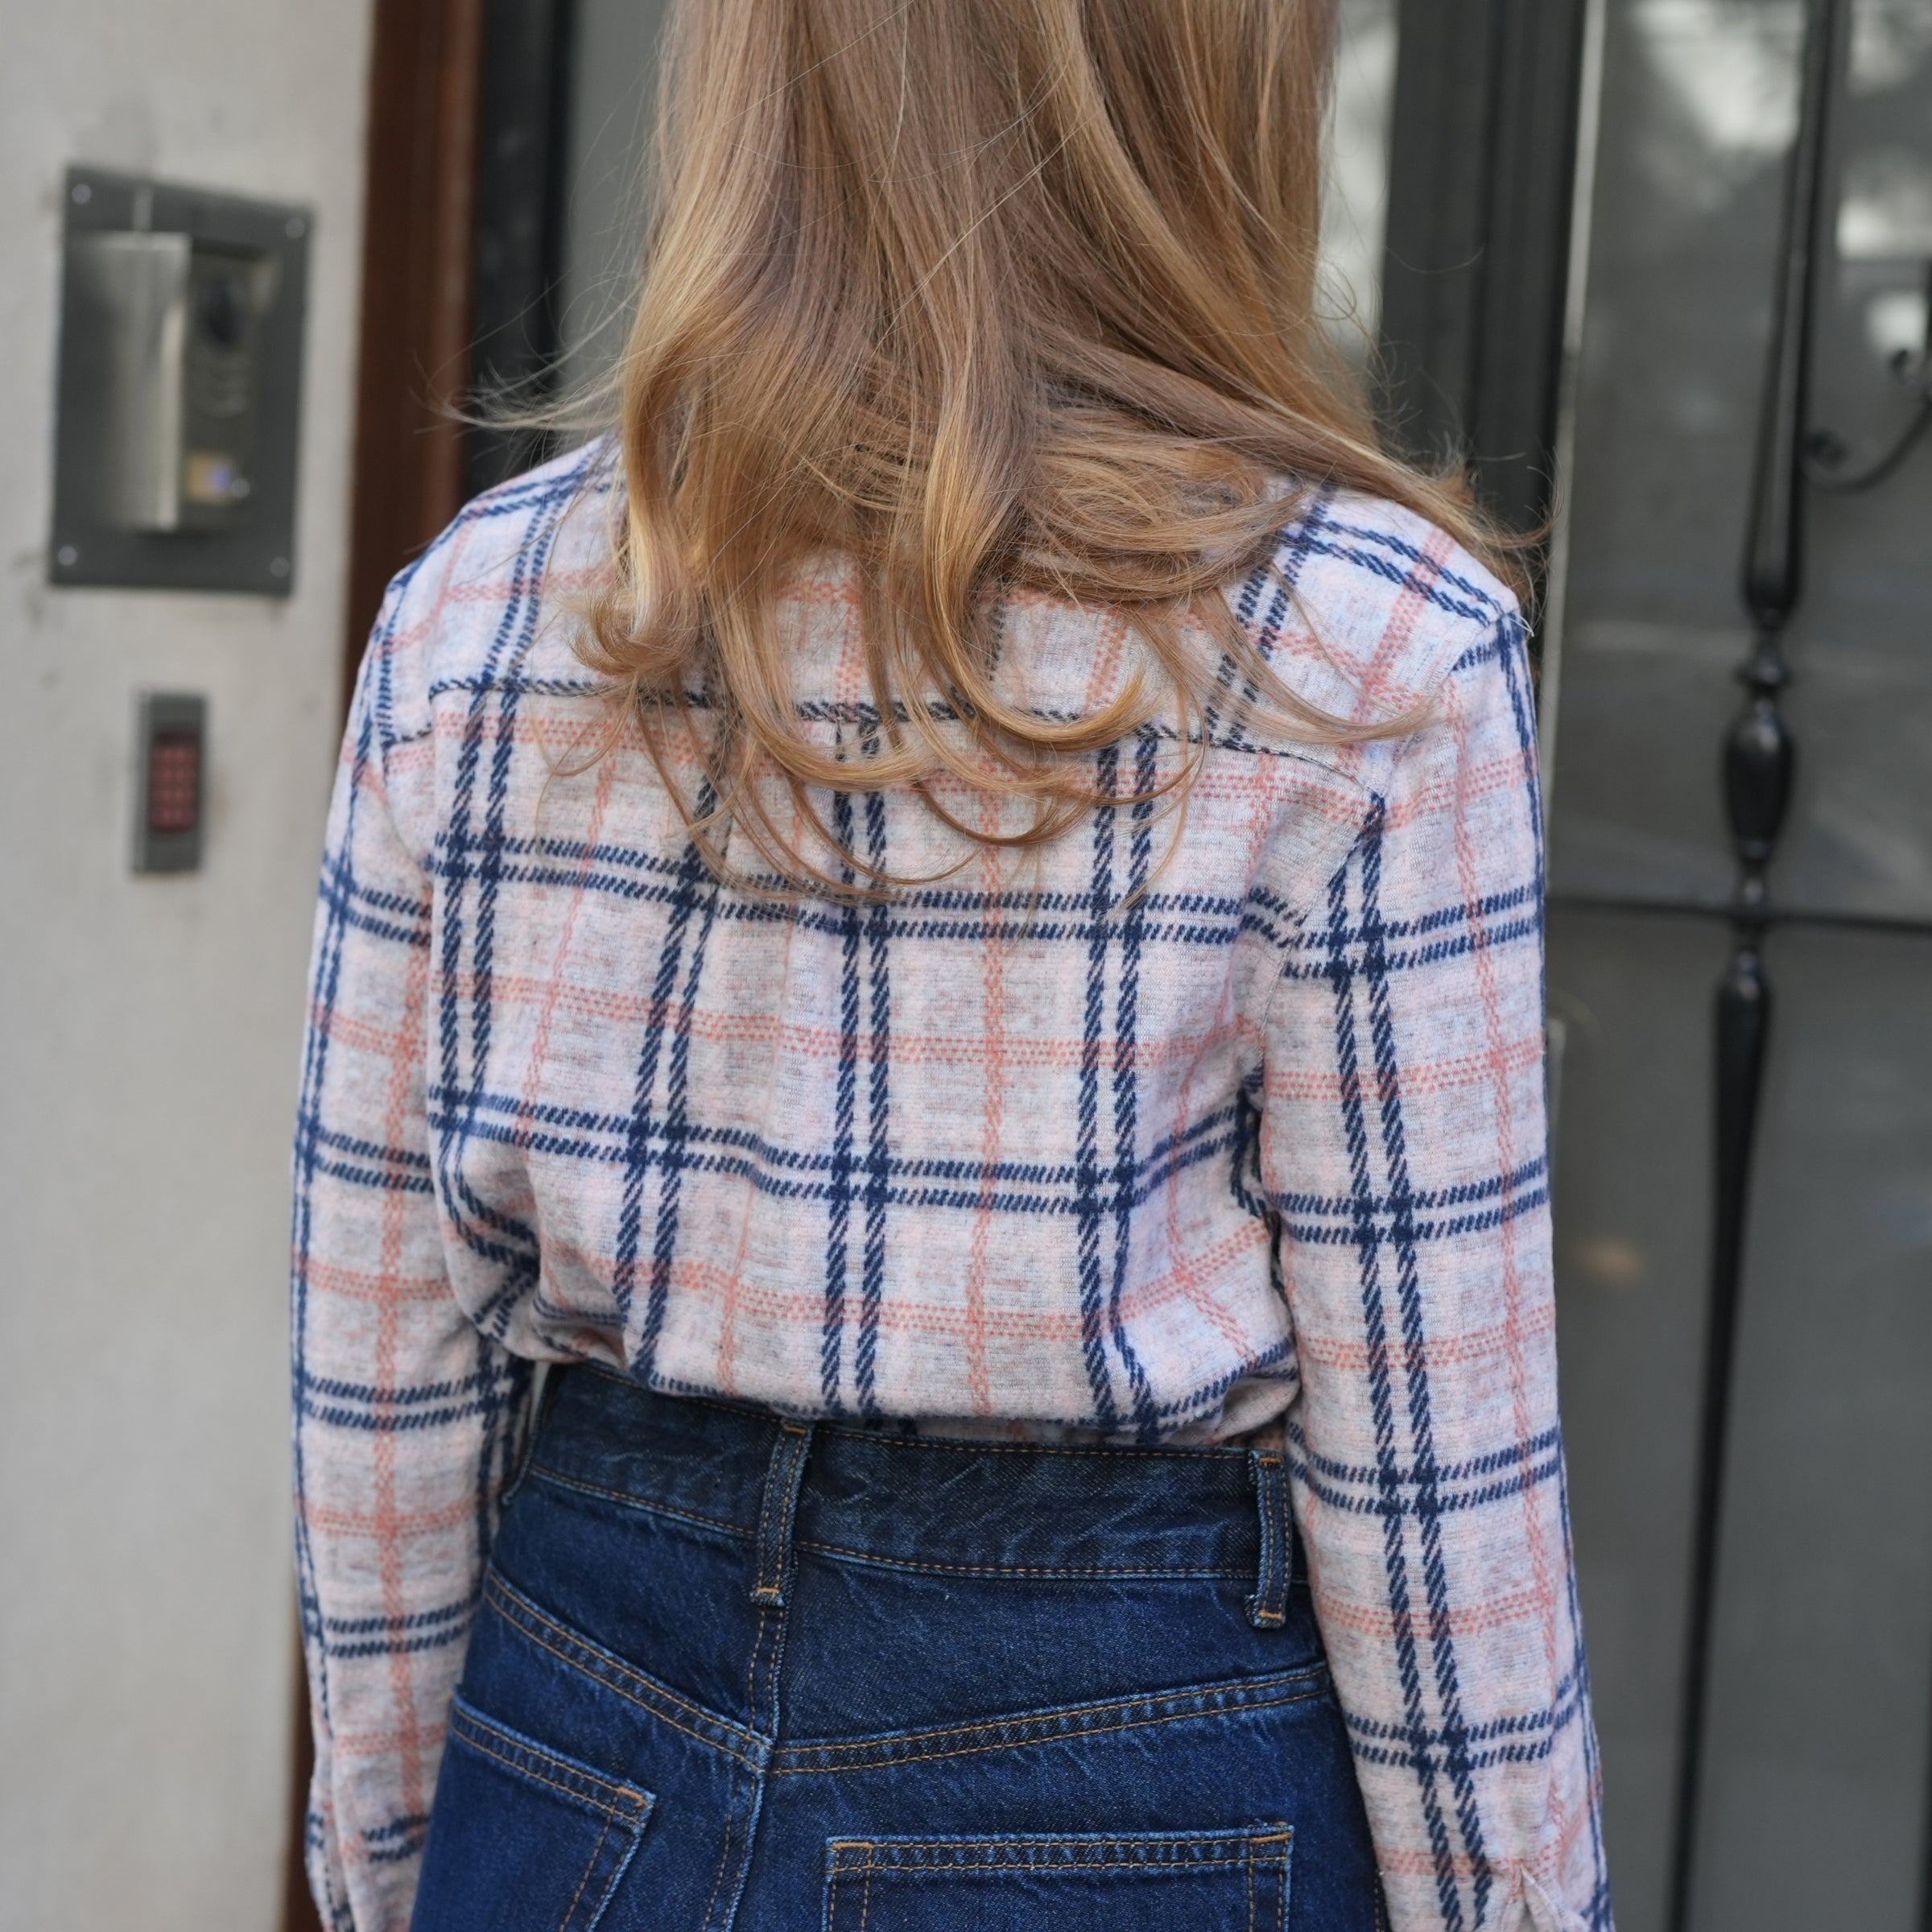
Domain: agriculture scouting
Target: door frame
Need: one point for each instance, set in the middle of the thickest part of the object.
(1476, 279)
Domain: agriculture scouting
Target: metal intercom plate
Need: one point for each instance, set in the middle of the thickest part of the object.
(181, 318)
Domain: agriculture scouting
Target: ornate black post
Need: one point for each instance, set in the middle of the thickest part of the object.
(1758, 762)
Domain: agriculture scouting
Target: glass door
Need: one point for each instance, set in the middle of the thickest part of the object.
(1812, 1804)
(608, 56)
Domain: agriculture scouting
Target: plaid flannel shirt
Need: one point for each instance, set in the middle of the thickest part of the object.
(1194, 1125)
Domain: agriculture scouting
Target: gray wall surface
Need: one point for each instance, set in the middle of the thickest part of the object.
(150, 1031)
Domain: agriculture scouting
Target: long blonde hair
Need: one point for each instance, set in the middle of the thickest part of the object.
(975, 294)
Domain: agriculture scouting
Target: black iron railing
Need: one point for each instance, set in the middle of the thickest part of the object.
(1758, 761)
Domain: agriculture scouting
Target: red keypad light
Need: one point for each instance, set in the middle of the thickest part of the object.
(174, 781)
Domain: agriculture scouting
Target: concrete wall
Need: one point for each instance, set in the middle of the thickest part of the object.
(150, 1028)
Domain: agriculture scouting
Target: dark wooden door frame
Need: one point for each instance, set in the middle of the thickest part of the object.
(462, 231)
(418, 219)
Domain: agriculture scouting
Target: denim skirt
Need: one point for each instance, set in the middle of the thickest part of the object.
(731, 1671)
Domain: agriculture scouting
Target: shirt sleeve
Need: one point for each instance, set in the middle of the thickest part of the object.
(406, 1418)
(1405, 1148)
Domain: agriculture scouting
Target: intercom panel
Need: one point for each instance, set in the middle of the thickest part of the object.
(179, 401)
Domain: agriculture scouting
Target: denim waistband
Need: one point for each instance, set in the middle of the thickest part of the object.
(920, 1502)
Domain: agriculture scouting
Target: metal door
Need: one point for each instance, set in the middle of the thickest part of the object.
(1810, 1805)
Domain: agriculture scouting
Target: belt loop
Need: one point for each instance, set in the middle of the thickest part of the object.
(777, 1511)
(1268, 1608)
(548, 1378)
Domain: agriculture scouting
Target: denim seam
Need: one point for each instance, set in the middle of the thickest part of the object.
(836, 1873)
(1016, 1733)
(543, 1473)
(1285, 1840)
(835, 1868)
(914, 1563)
(1266, 1845)
(751, 1666)
(597, 1852)
(1311, 1677)
(615, 1676)
(772, 1625)
(1238, 1839)
(717, 1880)
(1204, 1863)
(613, 1810)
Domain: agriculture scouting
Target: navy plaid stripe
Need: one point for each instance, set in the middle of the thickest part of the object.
(1126, 1082)
(1091, 1208)
(697, 895)
(844, 1115)
(1382, 1406)
(878, 1155)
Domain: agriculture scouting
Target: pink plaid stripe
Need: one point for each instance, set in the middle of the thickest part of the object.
(1189, 1127)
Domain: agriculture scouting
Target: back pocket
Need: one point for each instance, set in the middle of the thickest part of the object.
(1207, 1881)
(522, 1839)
